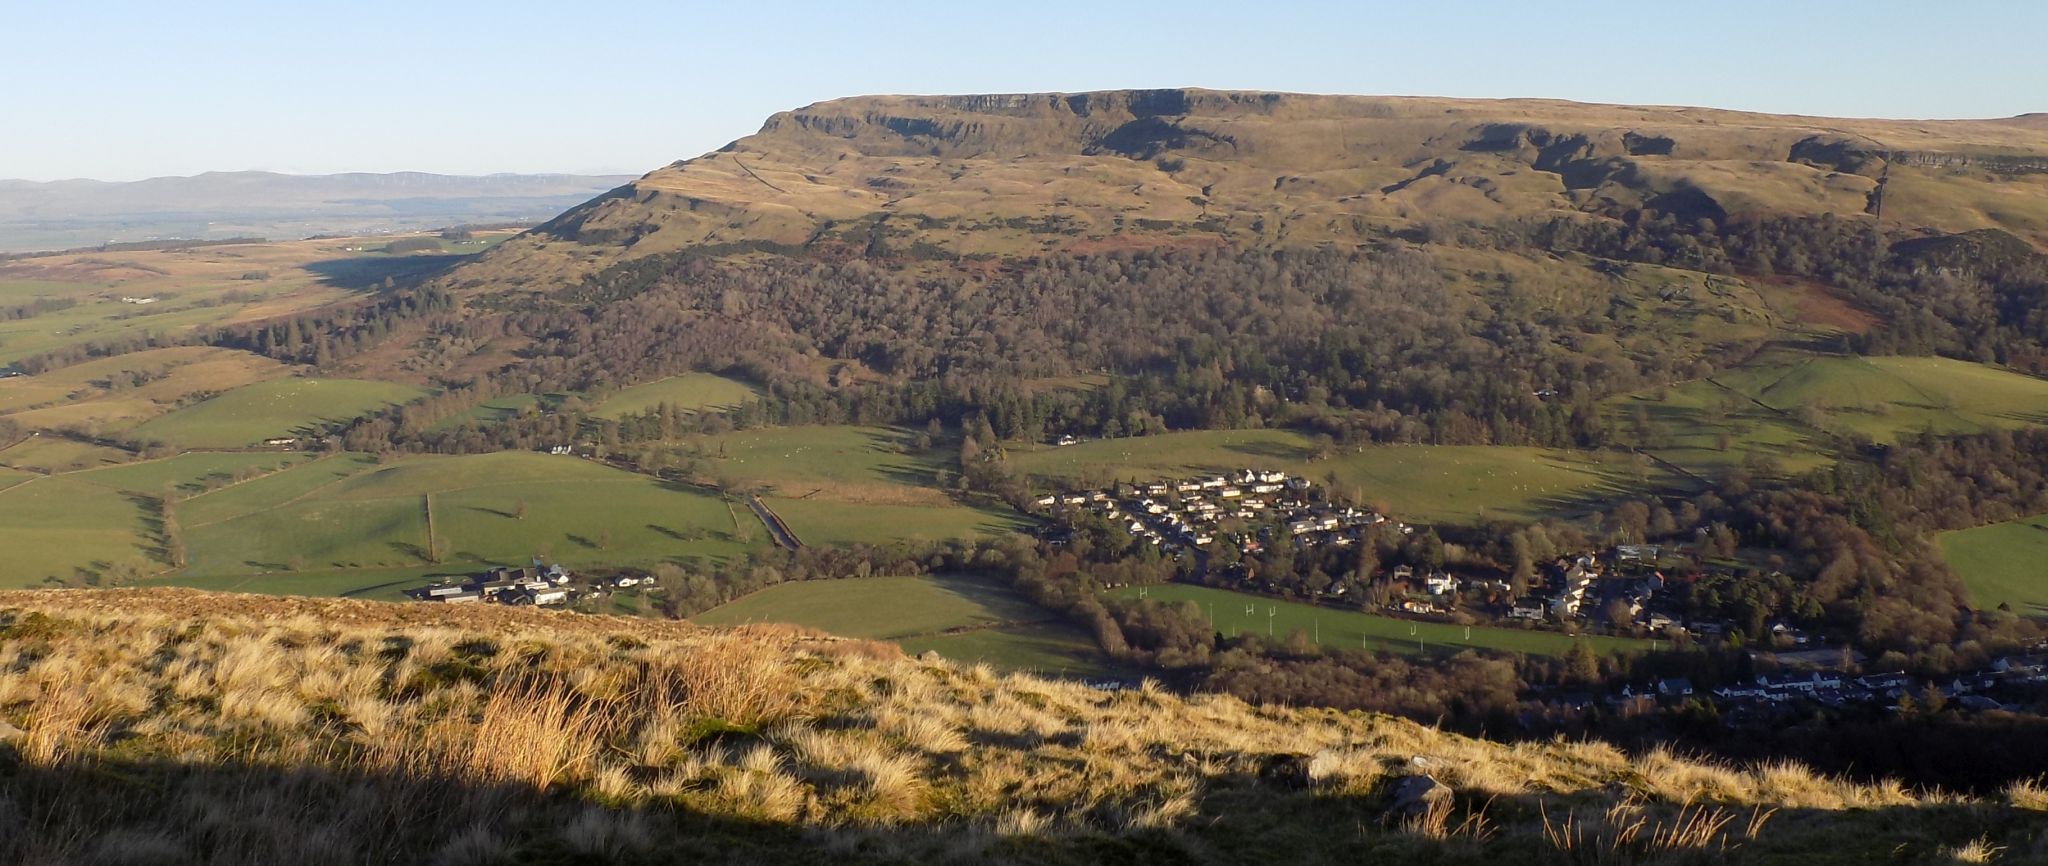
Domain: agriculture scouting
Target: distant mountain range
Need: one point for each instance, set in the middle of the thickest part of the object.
(74, 213)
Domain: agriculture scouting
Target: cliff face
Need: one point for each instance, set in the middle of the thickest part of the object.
(1024, 173)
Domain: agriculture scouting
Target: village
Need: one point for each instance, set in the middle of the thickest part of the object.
(1765, 696)
(1175, 516)
(1623, 589)
(537, 585)
(1617, 590)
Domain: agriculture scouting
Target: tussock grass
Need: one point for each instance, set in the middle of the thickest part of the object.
(183, 726)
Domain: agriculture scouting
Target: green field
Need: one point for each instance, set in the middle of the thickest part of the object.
(790, 458)
(190, 472)
(1424, 483)
(284, 407)
(2004, 563)
(962, 618)
(847, 485)
(1790, 406)
(375, 584)
(270, 491)
(349, 513)
(825, 522)
(882, 608)
(690, 391)
(492, 411)
(63, 527)
(48, 454)
(1237, 613)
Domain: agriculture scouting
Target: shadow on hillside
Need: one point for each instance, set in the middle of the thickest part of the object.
(371, 272)
(1272, 450)
(156, 810)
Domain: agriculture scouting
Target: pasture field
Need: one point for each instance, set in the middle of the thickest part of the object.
(283, 407)
(491, 411)
(2004, 563)
(1425, 483)
(962, 618)
(270, 491)
(1235, 613)
(318, 534)
(1790, 406)
(51, 454)
(191, 472)
(827, 522)
(797, 460)
(373, 584)
(101, 393)
(690, 391)
(348, 513)
(1057, 648)
(845, 485)
(62, 527)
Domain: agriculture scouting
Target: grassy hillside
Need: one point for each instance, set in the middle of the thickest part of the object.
(1794, 407)
(1026, 173)
(233, 729)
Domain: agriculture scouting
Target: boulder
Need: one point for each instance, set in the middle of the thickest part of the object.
(1415, 795)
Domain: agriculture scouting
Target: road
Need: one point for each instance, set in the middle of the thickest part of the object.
(776, 528)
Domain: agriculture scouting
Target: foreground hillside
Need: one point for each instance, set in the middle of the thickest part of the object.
(169, 726)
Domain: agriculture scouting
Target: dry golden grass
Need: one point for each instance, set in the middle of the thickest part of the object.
(418, 739)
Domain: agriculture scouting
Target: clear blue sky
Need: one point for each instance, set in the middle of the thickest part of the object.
(134, 89)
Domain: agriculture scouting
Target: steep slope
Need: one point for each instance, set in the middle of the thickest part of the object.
(1021, 173)
(172, 726)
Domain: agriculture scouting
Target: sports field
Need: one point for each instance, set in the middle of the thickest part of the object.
(1235, 613)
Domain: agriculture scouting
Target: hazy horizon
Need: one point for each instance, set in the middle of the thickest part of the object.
(134, 91)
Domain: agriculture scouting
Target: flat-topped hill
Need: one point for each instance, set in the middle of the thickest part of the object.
(1022, 173)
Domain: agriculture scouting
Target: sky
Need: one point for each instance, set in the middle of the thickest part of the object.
(126, 90)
